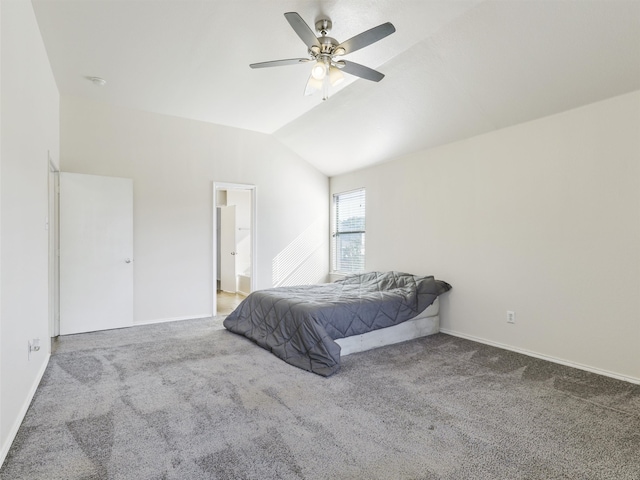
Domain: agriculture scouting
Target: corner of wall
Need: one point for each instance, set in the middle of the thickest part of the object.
(28, 130)
(6, 444)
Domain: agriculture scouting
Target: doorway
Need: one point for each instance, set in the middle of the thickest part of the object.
(234, 245)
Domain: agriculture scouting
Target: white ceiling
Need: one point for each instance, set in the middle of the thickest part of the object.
(453, 69)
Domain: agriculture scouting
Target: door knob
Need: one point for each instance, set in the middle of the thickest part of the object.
(127, 260)
(233, 253)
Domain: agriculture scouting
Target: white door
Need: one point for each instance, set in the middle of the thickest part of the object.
(228, 248)
(96, 253)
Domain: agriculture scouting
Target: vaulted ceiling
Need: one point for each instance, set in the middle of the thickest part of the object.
(453, 69)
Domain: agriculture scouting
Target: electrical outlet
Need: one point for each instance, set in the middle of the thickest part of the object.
(511, 316)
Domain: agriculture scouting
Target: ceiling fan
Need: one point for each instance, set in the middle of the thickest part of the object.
(323, 50)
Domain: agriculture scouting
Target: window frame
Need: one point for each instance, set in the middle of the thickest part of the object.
(335, 232)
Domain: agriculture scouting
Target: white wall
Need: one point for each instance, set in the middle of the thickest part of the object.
(542, 218)
(173, 163)
(29, 128)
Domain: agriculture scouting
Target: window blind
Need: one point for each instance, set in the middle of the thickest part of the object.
(349, 234)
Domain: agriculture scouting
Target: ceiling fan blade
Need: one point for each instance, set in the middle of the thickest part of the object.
(279, 63)
(367, 38)
(362, 71)
(302, 29)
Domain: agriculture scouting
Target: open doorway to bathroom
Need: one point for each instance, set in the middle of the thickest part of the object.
(234, 244)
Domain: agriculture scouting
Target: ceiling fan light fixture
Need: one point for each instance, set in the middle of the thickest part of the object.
(319, 70)
(339, 51)
(313, 85)
(336, 77)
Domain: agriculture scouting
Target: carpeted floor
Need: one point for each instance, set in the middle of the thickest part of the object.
(186, 401)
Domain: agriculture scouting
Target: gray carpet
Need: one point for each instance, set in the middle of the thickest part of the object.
(185, 401)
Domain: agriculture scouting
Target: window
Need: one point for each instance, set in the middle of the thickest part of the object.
(349, 229)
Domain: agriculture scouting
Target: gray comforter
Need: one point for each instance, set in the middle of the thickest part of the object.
(299, 324)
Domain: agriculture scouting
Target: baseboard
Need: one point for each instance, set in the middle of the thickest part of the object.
(23, 411)
(172, 319)
(560, 361)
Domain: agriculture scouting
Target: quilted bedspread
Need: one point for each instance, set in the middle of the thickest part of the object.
(299, 324)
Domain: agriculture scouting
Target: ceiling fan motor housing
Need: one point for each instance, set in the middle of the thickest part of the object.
(327, 49)
(323, 26)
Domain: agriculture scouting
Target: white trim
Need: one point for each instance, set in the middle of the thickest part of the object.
(23, 411)
(54, 247)
(214, 240)
(171, 319)
(541, 356)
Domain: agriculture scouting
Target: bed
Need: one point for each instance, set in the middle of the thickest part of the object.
(308, 326)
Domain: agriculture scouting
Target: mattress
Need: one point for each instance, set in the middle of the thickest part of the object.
(422, 325)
